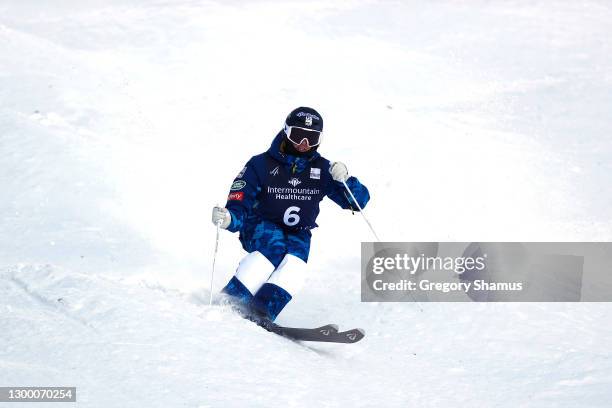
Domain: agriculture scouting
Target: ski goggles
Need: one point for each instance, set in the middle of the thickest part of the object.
(297, 135)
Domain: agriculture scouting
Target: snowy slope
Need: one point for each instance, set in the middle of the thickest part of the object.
(141, 345)
(122, 123)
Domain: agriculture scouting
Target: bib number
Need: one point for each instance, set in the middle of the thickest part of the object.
(291, 217)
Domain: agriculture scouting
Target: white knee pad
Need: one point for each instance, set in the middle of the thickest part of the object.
(253, 271)
(290, 274)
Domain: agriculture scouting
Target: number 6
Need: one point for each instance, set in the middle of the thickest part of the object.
(291, 218)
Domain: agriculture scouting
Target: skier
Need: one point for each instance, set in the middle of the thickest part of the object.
(273, 203)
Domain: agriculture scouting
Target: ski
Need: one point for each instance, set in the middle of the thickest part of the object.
(350, 336)
(328, 333)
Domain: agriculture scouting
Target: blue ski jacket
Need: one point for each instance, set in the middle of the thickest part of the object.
(274, 200)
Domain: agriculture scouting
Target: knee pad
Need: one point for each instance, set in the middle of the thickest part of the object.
(290, 274)
(253, 271)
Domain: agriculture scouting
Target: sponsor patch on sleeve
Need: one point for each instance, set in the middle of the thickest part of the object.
(237, 196)
(238, 185)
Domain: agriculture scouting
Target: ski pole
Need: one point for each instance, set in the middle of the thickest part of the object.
(212, 274)
(374, 232)
(360, 210)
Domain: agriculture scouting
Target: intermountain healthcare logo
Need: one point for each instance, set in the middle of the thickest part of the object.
(295, 181)
(288, 193)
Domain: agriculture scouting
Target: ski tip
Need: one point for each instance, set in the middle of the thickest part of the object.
(333, 326)
(354, 335)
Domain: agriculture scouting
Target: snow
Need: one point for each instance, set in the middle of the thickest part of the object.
(123, 122)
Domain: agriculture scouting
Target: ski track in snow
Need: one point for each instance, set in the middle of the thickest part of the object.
(122, 123)
(163, 341)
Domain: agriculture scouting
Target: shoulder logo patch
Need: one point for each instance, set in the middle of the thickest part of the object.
(315, 173)
(239, 196)
(274, 171)
(238, 185)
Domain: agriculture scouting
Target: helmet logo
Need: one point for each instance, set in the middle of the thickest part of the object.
(300, 114)
(308, 120)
